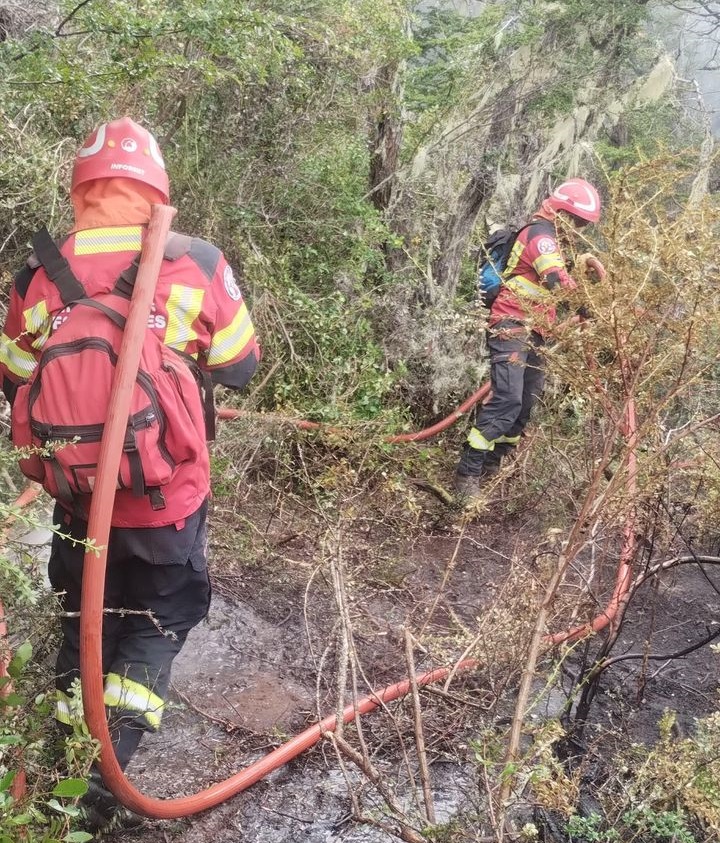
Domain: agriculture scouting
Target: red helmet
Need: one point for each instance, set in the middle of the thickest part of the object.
(121, 149)
(577, 197)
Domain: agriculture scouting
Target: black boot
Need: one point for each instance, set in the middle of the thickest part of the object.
(491, 464)
(101, 811)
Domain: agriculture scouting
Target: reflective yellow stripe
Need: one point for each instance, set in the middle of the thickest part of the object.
(515, 254)
(228, 343)
(62, 711)
(19, 362)
(509, 440)
(479, 442)
(124, 693)
(37, 319)
(523, 286)
(183, 307)
(69, 709)
(96, 241)
(545, 262)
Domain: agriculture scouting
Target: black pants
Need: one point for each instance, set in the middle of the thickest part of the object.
(517, 373)
(161, 570)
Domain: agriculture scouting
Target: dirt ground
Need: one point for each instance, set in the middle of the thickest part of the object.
(264, 666)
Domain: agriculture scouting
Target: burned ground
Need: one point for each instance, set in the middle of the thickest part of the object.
(265, 665)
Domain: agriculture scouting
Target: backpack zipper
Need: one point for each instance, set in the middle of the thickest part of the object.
(143, 379)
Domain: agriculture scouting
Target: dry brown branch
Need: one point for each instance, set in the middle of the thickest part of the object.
(419, 734)
(404, 831)
(122, 612)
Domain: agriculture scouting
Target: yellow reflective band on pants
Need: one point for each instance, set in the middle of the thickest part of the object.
(478, 441)
(69, 709)
(128, 695)
(508, 440)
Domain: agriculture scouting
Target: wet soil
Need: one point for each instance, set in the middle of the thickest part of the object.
(262, 667)
(248, 678)
(670, 615)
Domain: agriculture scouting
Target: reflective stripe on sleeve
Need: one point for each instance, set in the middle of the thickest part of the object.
(183, 307)
(16, 360)
(479, 442)
(126, 694)
(228, 343)
(544, 263)
(37, 321)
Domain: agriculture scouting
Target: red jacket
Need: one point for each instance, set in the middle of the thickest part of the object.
(198, 309)
(534, 270)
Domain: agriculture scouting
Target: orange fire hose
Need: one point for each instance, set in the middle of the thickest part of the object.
(230, 413)
(91, 616)
(95, 563)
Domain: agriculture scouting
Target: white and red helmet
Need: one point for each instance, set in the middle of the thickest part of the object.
(577, 197)
(121, 149)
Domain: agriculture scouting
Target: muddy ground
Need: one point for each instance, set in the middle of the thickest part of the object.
(263, 666)
(248, 678)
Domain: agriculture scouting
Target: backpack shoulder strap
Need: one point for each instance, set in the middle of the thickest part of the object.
(177, 246)
(126, 280)
(111, 314)
(57, 268)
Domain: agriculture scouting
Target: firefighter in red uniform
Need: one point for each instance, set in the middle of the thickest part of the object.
(157, 555)
(521, 318)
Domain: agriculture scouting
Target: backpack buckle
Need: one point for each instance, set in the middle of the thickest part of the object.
(157, 499)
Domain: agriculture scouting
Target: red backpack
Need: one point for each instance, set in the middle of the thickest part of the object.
(59, 414)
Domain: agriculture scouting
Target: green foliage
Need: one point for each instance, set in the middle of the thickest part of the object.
(668, 792)
(47, 813)
(29, 740)
(645, 132)
(337, 367)
(590, 829)
(639, 824)
(449, 46)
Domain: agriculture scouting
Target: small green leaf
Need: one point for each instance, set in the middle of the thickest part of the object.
(77, 837)
(7, 780)
(69, 810)
(12, 699)
(70, 787)
(22, 656)
(10, 740)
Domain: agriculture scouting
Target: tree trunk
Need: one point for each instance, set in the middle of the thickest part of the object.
(386, 137)
(455, 233)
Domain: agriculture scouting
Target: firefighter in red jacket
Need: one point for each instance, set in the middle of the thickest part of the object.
(157, 555)
(521, 318)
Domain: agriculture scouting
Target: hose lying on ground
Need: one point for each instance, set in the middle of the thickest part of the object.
(91, 616)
